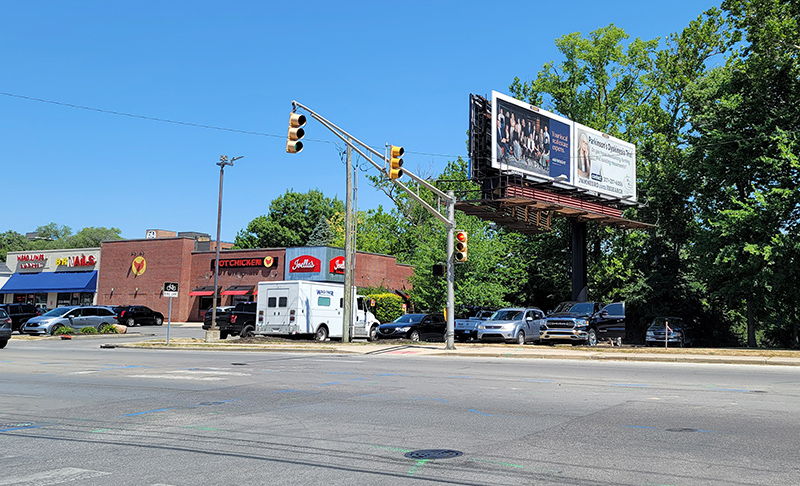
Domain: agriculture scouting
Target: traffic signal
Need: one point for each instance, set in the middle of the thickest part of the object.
(395, 162)
(296, 132)
(461, 246)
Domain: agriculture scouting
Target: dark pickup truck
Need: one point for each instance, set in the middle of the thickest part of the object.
(236, 321)
(585, 323)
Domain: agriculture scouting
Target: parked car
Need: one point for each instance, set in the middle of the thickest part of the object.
(139, 315)
(585, 323)
(76, 317)
(679, 333)
(20, 313)
(416, 327)
(5, 328)
(519, 325)
(223, 316)
(465, 329)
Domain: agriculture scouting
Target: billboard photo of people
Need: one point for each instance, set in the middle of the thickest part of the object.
(528, 140)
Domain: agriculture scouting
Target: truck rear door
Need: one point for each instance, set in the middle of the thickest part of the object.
(276, 313)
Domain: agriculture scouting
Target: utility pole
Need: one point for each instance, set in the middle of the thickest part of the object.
(294, 145)
(213, 333)
(347, 318)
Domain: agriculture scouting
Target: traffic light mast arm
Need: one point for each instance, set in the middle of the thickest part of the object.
(347, 138)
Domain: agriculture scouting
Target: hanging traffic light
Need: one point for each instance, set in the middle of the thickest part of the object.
(461, 246)
(395, 162)
(296, 132)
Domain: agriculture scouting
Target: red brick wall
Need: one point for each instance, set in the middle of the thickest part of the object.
(373, 270)
(166, 260)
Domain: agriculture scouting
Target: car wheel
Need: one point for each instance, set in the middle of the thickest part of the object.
(521, 338)
(461, 339)
(682, 343)
(247, 331)
(373, 334)
(617, 342)
(414, 335)
(54, 329)
(3, 343)
(321, 334)
(591, 337)
(159, 321)
(223, 334)
(130, 322)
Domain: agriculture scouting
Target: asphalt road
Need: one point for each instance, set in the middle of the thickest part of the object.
(73, 413)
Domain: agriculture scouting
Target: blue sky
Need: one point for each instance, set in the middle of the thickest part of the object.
(396, 72)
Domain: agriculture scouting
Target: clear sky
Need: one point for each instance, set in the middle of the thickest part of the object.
(397, 72)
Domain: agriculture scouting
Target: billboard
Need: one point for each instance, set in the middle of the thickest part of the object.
(318, 263)
(529, 140)
(604, 164)
(543, 146)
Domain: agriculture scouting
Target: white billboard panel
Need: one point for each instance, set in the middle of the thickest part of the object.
(603, 164)
(529, 140)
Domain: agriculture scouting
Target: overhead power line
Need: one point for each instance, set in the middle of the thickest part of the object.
(178, 122)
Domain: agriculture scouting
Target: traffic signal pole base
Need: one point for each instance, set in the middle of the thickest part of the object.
(212, 335)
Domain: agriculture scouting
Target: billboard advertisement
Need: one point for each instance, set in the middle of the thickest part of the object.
(604, 164)
(529, 140)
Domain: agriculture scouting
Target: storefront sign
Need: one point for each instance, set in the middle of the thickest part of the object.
(245, 262)
(305, 264)
(337, 265)
(36, 260)
(77, 261)
(139, 265)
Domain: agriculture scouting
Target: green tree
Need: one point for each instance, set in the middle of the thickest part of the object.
(322, 235)
(290, 221)
(12, 241)
(746, 152)
(91, 237)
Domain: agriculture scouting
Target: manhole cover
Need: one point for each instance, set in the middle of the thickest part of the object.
(682, 429)
(433, 454)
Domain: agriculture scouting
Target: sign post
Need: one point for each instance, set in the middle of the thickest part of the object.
(170, 290)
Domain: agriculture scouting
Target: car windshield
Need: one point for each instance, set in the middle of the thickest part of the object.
(58, 311)
(659, 323)
(579, 308)
(506, 315)
(409, 319)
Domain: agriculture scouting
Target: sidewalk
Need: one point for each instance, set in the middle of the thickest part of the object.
(600, 353)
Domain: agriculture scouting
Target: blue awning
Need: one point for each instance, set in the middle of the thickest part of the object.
(40, 283)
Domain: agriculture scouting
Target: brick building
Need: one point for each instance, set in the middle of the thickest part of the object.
(134, 272)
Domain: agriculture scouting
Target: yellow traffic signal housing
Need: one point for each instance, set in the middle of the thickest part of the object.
(296, 132)
(461, 247)
(395, 162)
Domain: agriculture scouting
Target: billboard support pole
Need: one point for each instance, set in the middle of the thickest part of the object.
(579, 274)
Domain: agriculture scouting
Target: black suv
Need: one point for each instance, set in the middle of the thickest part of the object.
(20, 313)
(138, 315)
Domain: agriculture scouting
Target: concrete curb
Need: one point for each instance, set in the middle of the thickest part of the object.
(483, 352)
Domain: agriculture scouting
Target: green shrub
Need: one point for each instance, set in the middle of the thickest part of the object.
(64, 330)
(108, 329)
(89, 330)
(388, 306)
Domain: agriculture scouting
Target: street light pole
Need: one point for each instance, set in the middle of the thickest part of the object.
(214, 330)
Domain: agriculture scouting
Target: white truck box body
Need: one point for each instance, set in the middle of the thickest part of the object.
(300, 307)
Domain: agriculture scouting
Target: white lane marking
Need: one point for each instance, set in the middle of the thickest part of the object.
(207, 372)
(56, 476)
(181, 377)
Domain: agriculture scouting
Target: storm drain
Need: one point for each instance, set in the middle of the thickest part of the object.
(433, 454)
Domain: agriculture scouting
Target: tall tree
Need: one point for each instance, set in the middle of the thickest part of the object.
(290, 221)
(746, 117)
(322, 235)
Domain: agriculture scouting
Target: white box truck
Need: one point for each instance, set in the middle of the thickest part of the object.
(294, 307)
